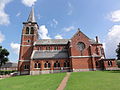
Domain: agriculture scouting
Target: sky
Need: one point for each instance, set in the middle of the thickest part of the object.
(59, 19)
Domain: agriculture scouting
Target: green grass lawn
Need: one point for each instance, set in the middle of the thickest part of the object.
(39, 82)
(94, 80)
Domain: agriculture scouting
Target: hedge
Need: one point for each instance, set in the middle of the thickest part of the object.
(118, 63)
(4, 72)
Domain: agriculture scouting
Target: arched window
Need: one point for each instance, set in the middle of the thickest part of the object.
(96, 63)
(47, 48)
(35, 65)
(66, 64)
(28, 41)
(32, 30)
(27, 30)
(102, 51)
(39, 65)
(109, 63)
(57, 64)
(47, 65)
(40, 48)
(56, 48)
(54, 64)
(26, 67)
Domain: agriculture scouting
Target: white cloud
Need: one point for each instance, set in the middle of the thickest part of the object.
(2, 37)
(112, 40)
(54, 23)
(70, 8)
(15, 47)
(4, 17)
(29, 3)
(18, 14)
(115, 16)
(43, 32)
(69, 28)
(58, 36)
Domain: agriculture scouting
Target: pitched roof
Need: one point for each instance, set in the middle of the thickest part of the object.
(31, 17)
(44, 54)
(52, 42)
(9, 65)
(79, 31)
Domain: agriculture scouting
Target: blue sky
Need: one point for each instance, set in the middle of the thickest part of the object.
(60, 19)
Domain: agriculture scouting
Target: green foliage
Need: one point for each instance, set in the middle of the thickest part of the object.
(4, 72)
(3, 56)
(94, 80)
(118, 63)
(38, 82)
(118, 51)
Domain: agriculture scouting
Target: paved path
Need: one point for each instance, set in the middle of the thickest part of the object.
(64, 82)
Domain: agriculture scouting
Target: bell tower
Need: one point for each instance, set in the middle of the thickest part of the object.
(28, 37)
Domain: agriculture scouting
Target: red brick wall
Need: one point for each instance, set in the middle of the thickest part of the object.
(81, 63)
(114, 64)
(52, 61)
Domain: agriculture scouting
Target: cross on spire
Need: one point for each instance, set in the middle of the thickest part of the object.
(31, 17)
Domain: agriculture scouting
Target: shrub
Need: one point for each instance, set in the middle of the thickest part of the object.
(4, 72)
(118, 63)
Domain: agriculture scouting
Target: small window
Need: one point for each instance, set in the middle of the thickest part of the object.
(47, 48)
(39, 65)
(27, 30)
(35, 65)
(28, 41)
(109, 63)
(66, 64)
(26, 67)
(102, 51)
(56, 48)
(56, 64)
(32, 30)
(47, 64)
(97, 63)
(40, 48)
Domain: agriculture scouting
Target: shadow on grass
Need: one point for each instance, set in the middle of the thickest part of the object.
(112, 71)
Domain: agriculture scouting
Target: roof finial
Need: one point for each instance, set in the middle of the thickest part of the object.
(31, 17)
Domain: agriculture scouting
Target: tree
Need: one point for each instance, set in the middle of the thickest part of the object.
(118, 55)
(118, 51)
(3, 56)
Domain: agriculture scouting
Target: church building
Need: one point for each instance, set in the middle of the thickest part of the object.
(40, 56)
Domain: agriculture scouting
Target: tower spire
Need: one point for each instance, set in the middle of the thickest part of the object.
(31, 17)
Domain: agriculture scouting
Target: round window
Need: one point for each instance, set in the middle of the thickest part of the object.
(81, 46)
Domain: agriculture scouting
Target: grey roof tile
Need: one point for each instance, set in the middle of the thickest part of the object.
(9, 65)
(43, 54)
(52, 42)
